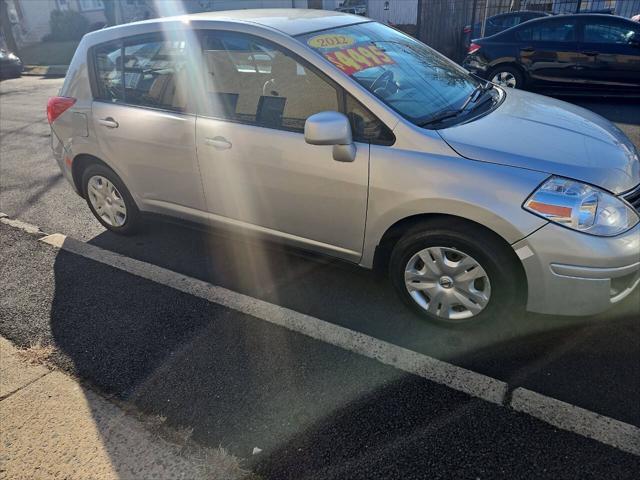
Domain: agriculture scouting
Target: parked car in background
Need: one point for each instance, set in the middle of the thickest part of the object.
(350, 138)
(354, 7)
(10, 65)
(583, 53)
(498, 23)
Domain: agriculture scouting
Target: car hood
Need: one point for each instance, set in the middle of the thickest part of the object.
(540, 133)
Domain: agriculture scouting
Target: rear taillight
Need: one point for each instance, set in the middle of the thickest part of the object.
(56, 106)
(473, 48)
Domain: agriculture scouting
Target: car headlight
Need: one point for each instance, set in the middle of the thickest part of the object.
(581, 207)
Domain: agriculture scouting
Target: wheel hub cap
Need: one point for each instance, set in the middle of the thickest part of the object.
(447, 283)
(504, 79)
(107, 201)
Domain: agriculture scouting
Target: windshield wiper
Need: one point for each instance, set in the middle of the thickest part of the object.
(476, 94)
(439, 117)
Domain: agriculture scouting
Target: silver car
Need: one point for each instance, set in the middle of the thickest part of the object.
(340, 135)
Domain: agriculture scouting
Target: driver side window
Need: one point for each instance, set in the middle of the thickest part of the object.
(252, 81)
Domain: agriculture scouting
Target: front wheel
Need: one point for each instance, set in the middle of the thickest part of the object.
(455, 273)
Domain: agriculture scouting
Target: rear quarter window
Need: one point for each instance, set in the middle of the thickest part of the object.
(108, 75)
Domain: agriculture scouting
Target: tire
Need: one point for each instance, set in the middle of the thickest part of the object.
(96, 177)
(470, 301)
(511, 75)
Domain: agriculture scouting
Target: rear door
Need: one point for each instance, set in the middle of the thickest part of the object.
(548, 49)
(608, 58)
(144, 123)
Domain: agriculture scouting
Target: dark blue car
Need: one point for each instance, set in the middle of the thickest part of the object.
(581, 53)
(497, 24)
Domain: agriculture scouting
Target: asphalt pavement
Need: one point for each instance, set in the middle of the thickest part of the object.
(316, 410)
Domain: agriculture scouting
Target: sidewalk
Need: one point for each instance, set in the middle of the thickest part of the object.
(52, 427)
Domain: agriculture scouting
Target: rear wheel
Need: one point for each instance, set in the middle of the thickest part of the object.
(109, 200)
(507, 76)
(455, 273)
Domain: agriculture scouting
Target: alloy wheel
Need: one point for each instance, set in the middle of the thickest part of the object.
(505, 79)
(447, 283)
(107, 201)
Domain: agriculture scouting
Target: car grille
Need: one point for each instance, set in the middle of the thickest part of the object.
(633, 197)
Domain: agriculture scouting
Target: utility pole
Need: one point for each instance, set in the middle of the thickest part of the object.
(7, 27)
(484, 17)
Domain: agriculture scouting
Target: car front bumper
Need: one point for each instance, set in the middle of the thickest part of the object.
(572, 273)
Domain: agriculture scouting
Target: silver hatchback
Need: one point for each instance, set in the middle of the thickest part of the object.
(340, 135)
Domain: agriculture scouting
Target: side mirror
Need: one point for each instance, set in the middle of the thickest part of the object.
(331, 128)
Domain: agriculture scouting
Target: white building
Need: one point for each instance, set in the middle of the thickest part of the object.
(30, 18)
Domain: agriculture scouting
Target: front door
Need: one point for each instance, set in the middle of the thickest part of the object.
(258, 173)
(609, 59)
(143, 122)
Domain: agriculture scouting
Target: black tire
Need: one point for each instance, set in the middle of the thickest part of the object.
(510, 70)
(133, 219)
(489, 250)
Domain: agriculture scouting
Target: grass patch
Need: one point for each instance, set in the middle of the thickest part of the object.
(49, 53)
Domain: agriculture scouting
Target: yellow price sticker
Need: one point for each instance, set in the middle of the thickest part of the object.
(331, 41)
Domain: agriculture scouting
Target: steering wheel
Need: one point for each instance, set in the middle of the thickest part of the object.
(383, 81)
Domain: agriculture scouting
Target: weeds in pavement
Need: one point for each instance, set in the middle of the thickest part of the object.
(217, 463)
(37, 353)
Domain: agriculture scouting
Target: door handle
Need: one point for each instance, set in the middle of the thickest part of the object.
(527, 49)
(219, 143)
(108, 122)
(591, 54)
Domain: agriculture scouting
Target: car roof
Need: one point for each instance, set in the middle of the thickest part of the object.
(519, 12)
(536, 21)
(291, 21)
(576, 15)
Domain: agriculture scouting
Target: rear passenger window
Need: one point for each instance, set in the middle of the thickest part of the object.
(252, 81)
(155, 74)
(148, 73)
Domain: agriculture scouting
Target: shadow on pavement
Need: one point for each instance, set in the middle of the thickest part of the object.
(412, 429)
(314, 410)
(563, 357)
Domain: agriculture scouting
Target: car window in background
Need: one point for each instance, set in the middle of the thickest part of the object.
(408, 76)
(555, 30)
(506, 21)
(607, 32)
(252, 81)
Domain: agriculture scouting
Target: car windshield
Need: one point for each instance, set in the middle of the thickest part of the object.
(408, 76)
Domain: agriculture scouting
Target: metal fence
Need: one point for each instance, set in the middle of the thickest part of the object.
(441, 23)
